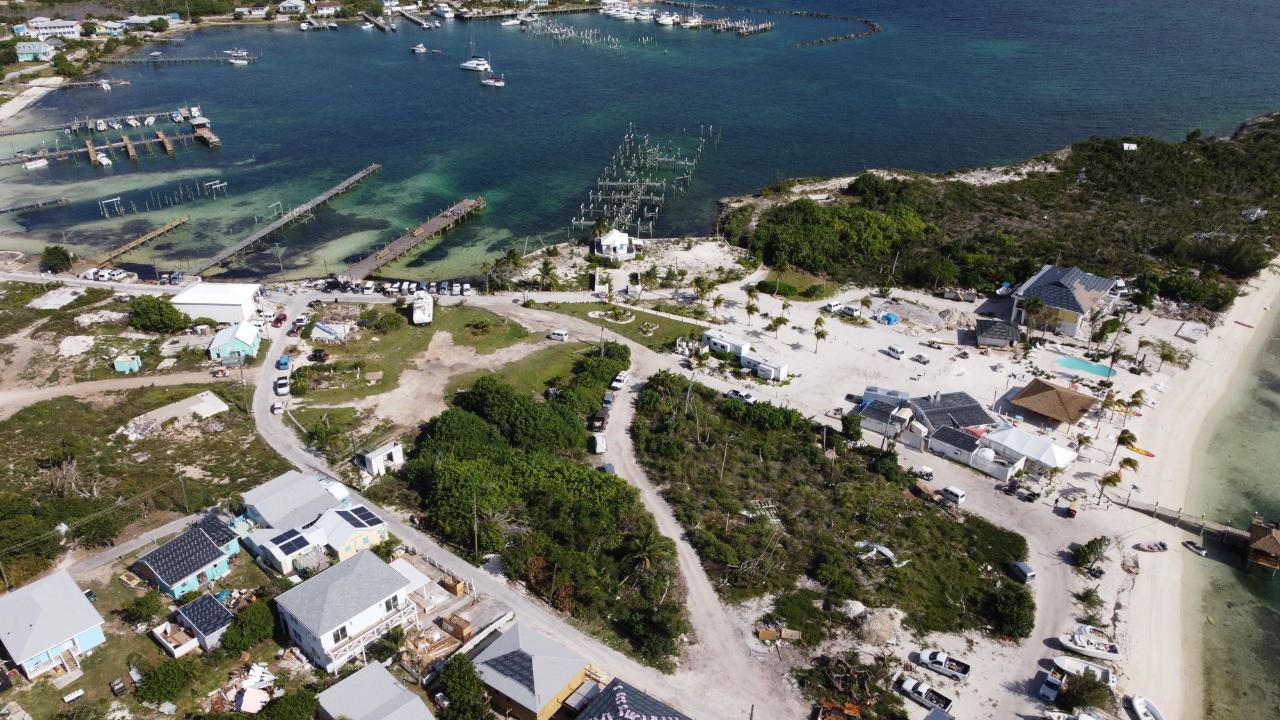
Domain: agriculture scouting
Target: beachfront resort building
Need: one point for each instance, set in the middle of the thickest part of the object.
(334, 616)
(1069, 295)
(43, 28)
(954, 409)
(221, 302)
(1052, 403)
(36, 51)
(1040, 453)
(371, 693)
(48, 625)
(996, 333)
(528, 675)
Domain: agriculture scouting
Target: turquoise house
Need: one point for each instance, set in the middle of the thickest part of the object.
(48, 626)
(191, 560)
(127, 364)
(240, 340)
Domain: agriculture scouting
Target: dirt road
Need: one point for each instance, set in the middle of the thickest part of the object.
(11, 401)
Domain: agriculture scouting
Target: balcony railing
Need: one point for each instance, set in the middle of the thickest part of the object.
(405, 615)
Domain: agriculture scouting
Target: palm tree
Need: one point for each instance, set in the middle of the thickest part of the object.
(546, 274)
(752, 309)
(1031, 311)
(1129, 464)
(819, 323)
(818, 336)
(753, 293)
(393, 640)
(1125, 438)
(486, 268)
(786, 305)
(865, 302)
(1053, 473)
(1111, 479)
(717, 302)
(776, 324)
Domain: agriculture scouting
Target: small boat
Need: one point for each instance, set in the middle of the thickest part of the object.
(132, 121)
(103, 160)
(493, 80)
(115, 125)
(392, 26)
(693, 21)
(156, 54)
(436, 51)
(1195, 547)
(367, 26)
(666, 19)
(442, 10)
(332, 26)
(1144, 709)
(419, 49)
(238, 61)
(104, 85)
(510, 23)
(175, 116)
(151, 120)
(1091, 642)
(304, 26)
(1081, 668)
(477, 64)
(195, 111)
(1159, 546)
(236, 52)
(100, 126)
(35, 164)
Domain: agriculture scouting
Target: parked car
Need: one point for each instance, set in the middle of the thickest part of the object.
(561, 335)
(281, 385)
(319, 356)
(283, 362)
(619, 380)
(608, 468)
(277, 408)
(943, 664)
(596, 444)
(279, 320)
(608, 400)
(294, 331)
(921, 358)
(745, 397)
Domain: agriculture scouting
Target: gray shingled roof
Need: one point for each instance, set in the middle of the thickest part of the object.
(956, 438)
(528, 667)
(290, 500)
(1062, 287)
(182, 557)
(217, 530)
(372, 693)
(998, 329)
(620, 700)
(957, 409)
(333, 597)
(42, 614)
(206, 615)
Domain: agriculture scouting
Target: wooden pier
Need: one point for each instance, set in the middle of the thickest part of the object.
(86, 124)
(206, 136)
(128, 147)
(92, 150)
(36, 205)
(164, 142)
(141, 240)
(302, 210)
(376, 22)
(93, 154)
(209, 59)
(1226, 534)
(86, 84)
(441, 223)
(416, 20)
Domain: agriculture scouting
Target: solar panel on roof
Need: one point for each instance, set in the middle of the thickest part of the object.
(293, 545)
(370, 520)
(350, 518)
(284, 536)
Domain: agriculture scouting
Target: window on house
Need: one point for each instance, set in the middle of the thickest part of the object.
(392, 603)
(340, 634)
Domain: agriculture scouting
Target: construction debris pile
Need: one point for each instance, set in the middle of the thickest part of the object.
(247, 691)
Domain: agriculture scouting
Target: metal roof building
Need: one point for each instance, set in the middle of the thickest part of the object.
(224, 302)
(620, 700)
(371, 693)
(530, 674)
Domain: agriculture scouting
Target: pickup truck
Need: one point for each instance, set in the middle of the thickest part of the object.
(943, 664)
(921, 692)
(1052, 685)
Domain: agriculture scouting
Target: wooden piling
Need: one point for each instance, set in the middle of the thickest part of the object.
(164, 142)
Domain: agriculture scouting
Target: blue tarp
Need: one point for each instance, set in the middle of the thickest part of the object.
(889, 319)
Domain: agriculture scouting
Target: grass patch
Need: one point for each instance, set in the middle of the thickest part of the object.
(653, 331)
(530, 375)
(62, 461)
(804, 286)
(14, 313)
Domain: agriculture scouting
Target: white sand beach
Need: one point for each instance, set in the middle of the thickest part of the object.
(37, 89)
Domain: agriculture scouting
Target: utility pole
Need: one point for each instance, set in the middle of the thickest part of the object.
(475, 527)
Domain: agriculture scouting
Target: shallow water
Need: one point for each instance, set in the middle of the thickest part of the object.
(946, 85)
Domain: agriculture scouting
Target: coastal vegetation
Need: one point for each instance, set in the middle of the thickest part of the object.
(768, 498)
(1180, 217)
(500, 473)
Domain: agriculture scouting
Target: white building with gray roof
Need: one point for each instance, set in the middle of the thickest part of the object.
(334, 616)
(371, 693)
(292, 500)
(47, 624)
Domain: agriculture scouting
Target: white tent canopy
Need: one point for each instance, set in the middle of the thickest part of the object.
(1011, 441)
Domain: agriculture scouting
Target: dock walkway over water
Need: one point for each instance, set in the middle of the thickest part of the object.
(301, 211)
(90, 149)
(1228, 535)
(416, 20)
(376, 22)
(215, 59)
(446, 220)
(142, 239)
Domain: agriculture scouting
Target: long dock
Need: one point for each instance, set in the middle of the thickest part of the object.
(376, 22)
(36, 205)
(87, 84)
(92, 150)
(288, 217)
(420, 22)
(443, 222)
(1227, 534)
(212, 59)
(86, 124)
(142, 239)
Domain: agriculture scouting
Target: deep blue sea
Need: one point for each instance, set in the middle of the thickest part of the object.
(945, 85)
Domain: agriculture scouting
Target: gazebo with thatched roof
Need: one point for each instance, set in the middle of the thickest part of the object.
(1264, 543)
(1053, 402)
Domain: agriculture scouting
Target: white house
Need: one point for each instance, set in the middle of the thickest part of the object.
(43, 28)
(48, 624)
(764, 367)
(326, 9)
(616, 245)
(36, 51)
(223, 302)
(719, 342)
(108, 29)
(1040, 453)
(334, 616)
(377, 461)
(371, 693)
(292, 500)
(142, 22)
(291, 7)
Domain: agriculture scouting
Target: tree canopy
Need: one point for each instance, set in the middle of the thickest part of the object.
(56, 258)
(460, 683)
(155, 314)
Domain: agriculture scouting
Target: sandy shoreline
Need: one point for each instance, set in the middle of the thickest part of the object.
(1165, 640)
(37, 89)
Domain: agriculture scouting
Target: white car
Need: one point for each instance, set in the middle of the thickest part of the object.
(619, 380)
(745, 397)
(277, 408)
(561, 335)
(597, 444)
(281, 385)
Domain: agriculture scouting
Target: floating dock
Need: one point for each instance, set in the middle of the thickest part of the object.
(206, 136)
(302, 210)
(443, 222)
(210, 59)
(142, 239)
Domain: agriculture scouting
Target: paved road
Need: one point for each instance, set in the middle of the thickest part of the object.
(718, 677)
(96, 562)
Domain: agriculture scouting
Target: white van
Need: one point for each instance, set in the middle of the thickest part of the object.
(561, 335)
(953, 494)
(597, 444)
(895, 352)
(368, 287)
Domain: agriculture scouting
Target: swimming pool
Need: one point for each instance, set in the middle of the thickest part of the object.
(1080, 365)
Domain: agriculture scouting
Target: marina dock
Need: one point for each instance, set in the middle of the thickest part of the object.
(303, 210)
(127, 144)
(441, 223)
(142, 240)
(86, 124)
(1226, 534)
(376, 22)
(214, 59)
(420, 22)
(36, 205)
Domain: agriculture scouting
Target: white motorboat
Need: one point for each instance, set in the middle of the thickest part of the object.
(151, 120)
(236, 52)
(104, 85)
(175, 116)
(442, 10)
(1081, 668)
(195, 111)
(367, 26)
(477, 64)
(1091, 642)
(644, 15)
(100, 126)
(1144, 709)
(132, 121)
(332, 25)
(393, 26)
(693, 21)
(115, 125)
(493, 80)
(103, 160)
(666, 19)
(419, 49)
(304, 26)
(238, 61)
(35, 164)
(510, 23)
(157, 53)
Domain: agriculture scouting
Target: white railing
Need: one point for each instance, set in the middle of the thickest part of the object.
(405, 615)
